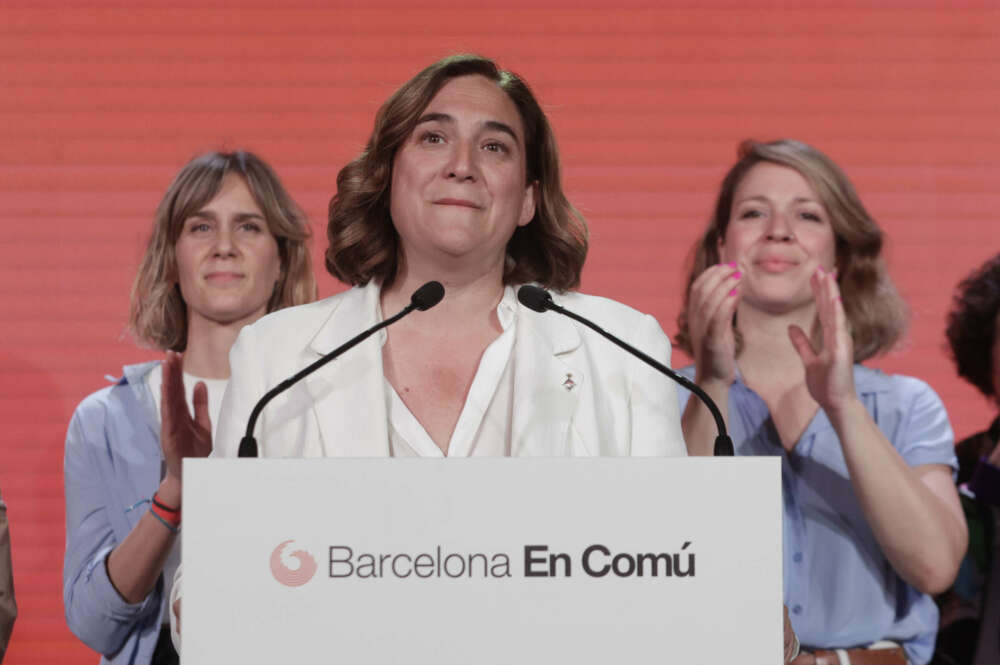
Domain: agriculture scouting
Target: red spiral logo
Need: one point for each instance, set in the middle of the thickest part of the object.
(288, 576)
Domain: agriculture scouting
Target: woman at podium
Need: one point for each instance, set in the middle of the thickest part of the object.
(788, 294)
(228, 245)
(458, 183)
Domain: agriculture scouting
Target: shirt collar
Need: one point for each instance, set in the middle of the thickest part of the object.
(868, 380)
(507, 309)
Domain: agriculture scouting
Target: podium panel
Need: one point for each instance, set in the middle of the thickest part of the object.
(482, 560)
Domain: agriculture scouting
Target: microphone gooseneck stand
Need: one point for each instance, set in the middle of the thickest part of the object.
(538, 299)
(422, 299)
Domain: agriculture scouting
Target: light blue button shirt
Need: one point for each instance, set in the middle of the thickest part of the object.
(840, 589)
(113, 464)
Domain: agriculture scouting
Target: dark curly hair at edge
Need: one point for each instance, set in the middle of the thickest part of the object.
(363, 244)
(972, 326)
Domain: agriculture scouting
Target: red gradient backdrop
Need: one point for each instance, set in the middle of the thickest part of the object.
(102, 102)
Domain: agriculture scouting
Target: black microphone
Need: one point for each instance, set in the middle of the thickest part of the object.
(538, 299)
(422, 299)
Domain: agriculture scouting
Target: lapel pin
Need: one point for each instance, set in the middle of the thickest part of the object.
(569, 383)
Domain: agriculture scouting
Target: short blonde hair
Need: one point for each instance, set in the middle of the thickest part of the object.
(875, 311)
(157, 312)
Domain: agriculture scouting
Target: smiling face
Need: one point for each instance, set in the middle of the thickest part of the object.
(458, 187)
(227, 259)
(778, 232)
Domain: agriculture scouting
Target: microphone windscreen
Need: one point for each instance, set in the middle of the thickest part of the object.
(534, 297)
(427, 296)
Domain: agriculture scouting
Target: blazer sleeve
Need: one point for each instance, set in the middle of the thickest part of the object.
(95, 611)
(656, 423)
(246, 386)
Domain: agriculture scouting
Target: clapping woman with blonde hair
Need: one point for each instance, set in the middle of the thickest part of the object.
(787, 297)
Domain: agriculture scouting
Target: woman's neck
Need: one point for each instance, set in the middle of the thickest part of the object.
(208, 344)
(767, 355)
(470, 297)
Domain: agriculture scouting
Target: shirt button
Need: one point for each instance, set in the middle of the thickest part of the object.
(797, 558)
(797, 609)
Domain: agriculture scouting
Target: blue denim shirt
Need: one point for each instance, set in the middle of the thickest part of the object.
(840, 589)
(113, 463)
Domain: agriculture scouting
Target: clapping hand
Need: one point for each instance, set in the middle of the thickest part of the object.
(714, 296)
(181, 435)
(830, 368)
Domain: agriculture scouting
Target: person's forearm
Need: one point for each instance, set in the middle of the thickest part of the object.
(136, 563)
(922, 535)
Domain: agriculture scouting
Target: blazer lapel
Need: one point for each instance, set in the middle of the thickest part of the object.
(348, 393)
(549, 379)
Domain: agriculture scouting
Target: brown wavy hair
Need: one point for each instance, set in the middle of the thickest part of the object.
(875, 312)
(364, 245)
(157, 312)
(972, 326)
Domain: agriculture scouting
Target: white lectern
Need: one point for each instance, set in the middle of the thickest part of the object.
(482, 561)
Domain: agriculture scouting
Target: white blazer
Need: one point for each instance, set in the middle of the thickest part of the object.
(616, 406)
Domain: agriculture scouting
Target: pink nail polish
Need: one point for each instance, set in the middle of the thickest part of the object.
(731, 264)
(737, 274)
(734, 292)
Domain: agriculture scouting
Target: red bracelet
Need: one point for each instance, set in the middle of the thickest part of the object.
(171, 520)
(171, 517)
(163, 506)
